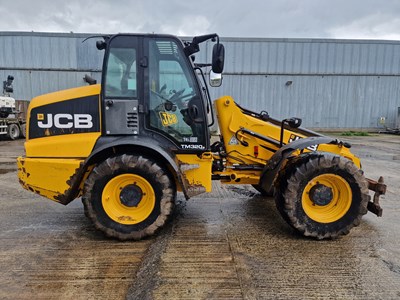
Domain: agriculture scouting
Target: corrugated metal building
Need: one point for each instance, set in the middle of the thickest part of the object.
(331, 84)
(47, 62)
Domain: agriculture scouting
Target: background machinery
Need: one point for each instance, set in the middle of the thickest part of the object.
(11, 125)
(128, 145)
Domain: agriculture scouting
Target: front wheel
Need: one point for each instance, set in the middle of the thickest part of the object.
(129, 197)
(321, 195)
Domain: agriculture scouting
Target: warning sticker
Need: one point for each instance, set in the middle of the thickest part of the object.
(233, 141)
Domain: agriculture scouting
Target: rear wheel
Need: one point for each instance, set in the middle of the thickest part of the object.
(321, 195)
(129, 197)
(13, 131)
(23, 131)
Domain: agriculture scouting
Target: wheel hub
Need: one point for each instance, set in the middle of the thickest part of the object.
(131, 195)
(321, 194)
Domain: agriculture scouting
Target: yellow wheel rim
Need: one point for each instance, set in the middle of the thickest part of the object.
(335, 206)
(128, 199)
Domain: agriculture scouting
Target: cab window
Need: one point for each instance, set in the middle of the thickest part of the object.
(172, 93)
(121, 74)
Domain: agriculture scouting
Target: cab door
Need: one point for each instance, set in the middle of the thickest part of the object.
(176, 108)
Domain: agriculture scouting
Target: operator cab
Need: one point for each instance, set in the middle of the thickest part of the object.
(150, 88)
(176, 108)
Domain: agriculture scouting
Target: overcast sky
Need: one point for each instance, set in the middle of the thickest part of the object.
(355, 19)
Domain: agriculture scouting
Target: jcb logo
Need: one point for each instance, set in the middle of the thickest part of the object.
(168, 119)
(65, 121)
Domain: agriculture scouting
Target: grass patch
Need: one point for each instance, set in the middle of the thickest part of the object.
(354, 133)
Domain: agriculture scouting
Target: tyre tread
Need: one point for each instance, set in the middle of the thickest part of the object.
(289, 183)
(127, 161)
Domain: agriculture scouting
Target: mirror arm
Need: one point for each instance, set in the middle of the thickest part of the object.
(202, 38)
(193, 46)
(201, 65)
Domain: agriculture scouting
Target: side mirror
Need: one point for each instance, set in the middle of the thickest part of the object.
(218, 57)
(215, 79)
(101, 45)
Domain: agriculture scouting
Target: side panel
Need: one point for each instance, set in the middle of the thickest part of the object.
(74, 145)
(50, 178)
(64, 124)
(196, 172)
(122, 117)
(72, 116)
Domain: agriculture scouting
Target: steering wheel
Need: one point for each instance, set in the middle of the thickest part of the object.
(159, 95)
(180, 100)
(175, 97)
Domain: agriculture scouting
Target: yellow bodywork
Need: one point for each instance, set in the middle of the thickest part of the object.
(63, 146)
(47, 177)
(71, 145)
(196, 172)
(51, 161)
(258, 152)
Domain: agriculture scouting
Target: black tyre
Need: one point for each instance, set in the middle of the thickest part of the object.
(4, 114)
(262, 191)
(321, 195)
(23, 131)
(129, 197)
(13, 131)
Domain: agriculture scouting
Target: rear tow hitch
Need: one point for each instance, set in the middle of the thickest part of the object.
(380, 189)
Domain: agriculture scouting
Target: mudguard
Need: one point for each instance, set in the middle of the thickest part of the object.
(146, 145)
(274, 164)
(150, 144)
(190, 170)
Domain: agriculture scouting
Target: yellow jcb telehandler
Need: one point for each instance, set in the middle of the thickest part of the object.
(127, 145)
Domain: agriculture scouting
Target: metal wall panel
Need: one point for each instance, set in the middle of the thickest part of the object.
(29, 84)
(88, 57)
(243, 56)
(49, 51)
(299, 56)
(335, 83)
(321, 101)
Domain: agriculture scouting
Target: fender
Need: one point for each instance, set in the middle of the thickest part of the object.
(114, 145)
(274, 164)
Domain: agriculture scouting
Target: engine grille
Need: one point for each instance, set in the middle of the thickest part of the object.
(132, 120)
